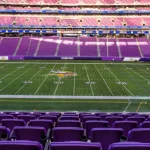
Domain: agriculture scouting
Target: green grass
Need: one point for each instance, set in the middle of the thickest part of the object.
(96, 79)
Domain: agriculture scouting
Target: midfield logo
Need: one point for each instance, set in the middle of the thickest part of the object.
(63, 74)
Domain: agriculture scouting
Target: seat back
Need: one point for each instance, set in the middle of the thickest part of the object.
(106, 136)
(47, 124)
(112, 119)
(61, 134)
(49, 117)
(29, 133)
(20, 145)
(69, 118)
(11, 123)
(145, 124)
(126, 126)
(69, 123)
(89, 125)
(74, 146)
(84, 119)
(4, 132)
(3, 116)
(26, 118)
(139, 135)
(137, 119)
(129, 146)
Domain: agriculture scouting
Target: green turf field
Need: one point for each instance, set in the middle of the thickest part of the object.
(71, 79)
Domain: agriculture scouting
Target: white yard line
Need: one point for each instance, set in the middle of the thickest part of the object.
(74, 87)
(140, 75)
(127, 105)
(29, 80)
(11, 73)
(141, 69)
(16, 78)
(104, 81)
(44, 80)
(89, 80)
(58, 82)
(119, 81)
(137, 82)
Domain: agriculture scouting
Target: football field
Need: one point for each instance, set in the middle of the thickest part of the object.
(91, 81)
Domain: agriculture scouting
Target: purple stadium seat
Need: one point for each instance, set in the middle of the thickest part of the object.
(126, 126)
(129, 146)
(115, 113)
(26, 118)
(15, 114)
(139, 135)
(103, 116)
(54, 114)
(49, 117)
(47, 124)
(73, 115)
(29, 133)
(88, 118)
(132, 113)
(106, 136)
(4, 132)
(70, 113)
(61, 134)
(89, 125)
(11, 123)
(69, 123)
(74, 146)
(20, 145)
(6, 117)
(112, 119)
(148, 119)
(84, 113)
(142, 115)
(137, 119)
(145, 124)
(69, 118)
(100, 113)
(125, 116)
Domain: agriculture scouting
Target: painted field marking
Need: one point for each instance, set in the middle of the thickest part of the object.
(141, 103)
(120, 81)
(17, 78)
(89, 80)
(129, 103)
(104, 80)
(44, 80)
(58, 82)
(29, 80)
(137, 83)
(11, 73)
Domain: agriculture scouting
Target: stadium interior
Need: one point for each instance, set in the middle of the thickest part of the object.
(74, 74)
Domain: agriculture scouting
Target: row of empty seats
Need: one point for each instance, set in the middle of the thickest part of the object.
(28, 145)
(71, 47)
(58, 128)
(50, 2)
(74, 21)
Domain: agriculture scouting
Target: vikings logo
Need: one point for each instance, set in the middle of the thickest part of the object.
(63, 74)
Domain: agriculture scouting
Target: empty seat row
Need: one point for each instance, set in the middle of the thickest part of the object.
(105, 136)
(28, 145)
